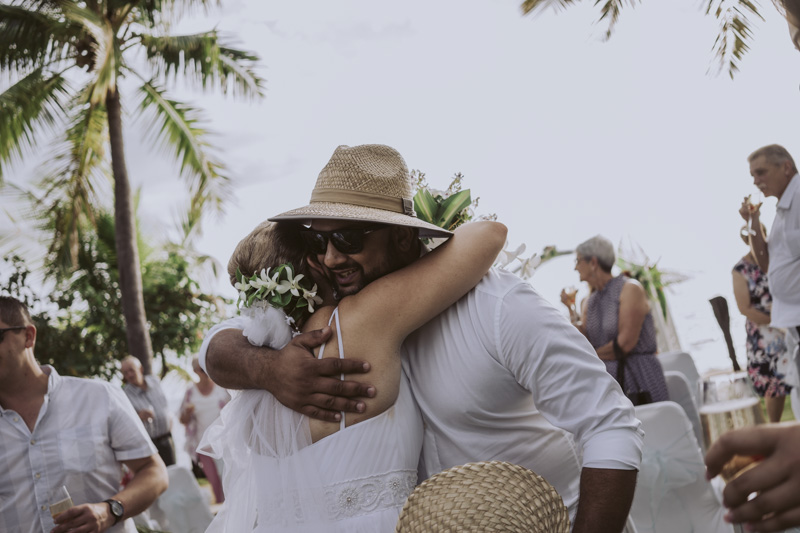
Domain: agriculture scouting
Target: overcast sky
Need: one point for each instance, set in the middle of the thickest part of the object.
(559, 133)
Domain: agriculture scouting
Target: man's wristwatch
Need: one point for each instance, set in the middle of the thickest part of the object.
(117, 510)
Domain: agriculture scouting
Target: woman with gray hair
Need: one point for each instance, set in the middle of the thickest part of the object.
(617, 320)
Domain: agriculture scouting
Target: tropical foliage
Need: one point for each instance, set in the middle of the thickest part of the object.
(80, 326)
(452, 207)
(735, 19)
(68, 62)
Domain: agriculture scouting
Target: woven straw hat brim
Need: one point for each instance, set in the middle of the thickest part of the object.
(357, 213)
(486, 496)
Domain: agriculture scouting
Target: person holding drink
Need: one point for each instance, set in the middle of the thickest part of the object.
(63, 441)
(767, 496)
(617, 320)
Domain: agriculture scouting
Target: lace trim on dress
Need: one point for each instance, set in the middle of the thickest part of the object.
(350, 498)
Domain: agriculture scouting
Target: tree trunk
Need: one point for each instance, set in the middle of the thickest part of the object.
(130, 275)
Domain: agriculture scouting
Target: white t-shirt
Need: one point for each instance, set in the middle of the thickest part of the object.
(84, 430)
(784, 258)
(495, 373)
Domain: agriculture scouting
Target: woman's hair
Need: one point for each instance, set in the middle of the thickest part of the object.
(744, 233)
(599, 247)
(269, 245)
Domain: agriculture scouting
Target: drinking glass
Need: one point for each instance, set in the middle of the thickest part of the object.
(60, 501)
(729, 402)
(571, 292)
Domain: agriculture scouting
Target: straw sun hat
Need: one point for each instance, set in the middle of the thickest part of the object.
(367, 183)
(482, 497)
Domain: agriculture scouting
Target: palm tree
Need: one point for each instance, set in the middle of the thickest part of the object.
(67, 61)
(734, 16)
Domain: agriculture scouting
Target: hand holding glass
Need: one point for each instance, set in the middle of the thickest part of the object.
(60, 501)
(729, 402)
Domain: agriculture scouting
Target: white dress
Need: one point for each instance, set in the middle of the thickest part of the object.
(355, 480)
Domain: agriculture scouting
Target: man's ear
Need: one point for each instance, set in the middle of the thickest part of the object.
(405, 238)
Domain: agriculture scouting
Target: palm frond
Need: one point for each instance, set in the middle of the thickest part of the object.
(152, 13)
(77, 182)
(203, 59)
(735, 32)
(178, 129)
(532, 6)
(33, 102)
(104, 48)
(29, 39)
(610, 11)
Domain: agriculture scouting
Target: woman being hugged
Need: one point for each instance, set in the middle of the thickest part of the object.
(285, 472)
(617, 320)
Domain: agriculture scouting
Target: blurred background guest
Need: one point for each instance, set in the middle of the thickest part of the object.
(616, 319)
(767, 356)
(148, 400)
(200, 407)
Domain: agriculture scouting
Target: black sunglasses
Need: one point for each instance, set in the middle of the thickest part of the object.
(12, 328)
(347, 240)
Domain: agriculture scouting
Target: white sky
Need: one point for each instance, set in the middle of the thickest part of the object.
(560, 134)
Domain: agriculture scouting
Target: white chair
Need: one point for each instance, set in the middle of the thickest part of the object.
(680, 392)
(182, 508)
(672, 494)
(682, 362)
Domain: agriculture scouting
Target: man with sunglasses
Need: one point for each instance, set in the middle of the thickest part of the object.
(63, 431)
(500, 375)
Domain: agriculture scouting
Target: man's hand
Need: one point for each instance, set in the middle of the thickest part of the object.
(744, 209)
(293, 374)
(85, 518)
(776, 479)
(313, 386)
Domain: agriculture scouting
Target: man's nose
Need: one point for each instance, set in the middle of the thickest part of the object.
(333, 257)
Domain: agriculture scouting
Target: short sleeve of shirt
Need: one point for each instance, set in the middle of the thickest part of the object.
(568, 381)
(129, 439)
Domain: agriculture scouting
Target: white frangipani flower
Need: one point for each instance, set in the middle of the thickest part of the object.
(294, 284)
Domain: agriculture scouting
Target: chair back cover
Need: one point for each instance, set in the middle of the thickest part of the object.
(672, 494)
(682, 362)
(680, 393)
(485, 496)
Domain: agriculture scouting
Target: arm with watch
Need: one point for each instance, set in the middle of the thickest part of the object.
(149, 481)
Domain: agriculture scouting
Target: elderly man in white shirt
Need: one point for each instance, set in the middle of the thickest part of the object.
(62, 431)
(776, 478)
(500, 375)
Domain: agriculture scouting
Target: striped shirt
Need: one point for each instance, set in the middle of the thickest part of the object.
(153, 399)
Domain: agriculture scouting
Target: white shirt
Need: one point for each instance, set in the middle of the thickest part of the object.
(784, 258)
(497, 371)
(84, 429)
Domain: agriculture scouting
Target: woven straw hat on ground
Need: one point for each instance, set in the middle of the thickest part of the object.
(367, 183)
(484, 497)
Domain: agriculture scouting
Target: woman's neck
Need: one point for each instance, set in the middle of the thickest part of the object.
(601, 280)
(205, 386)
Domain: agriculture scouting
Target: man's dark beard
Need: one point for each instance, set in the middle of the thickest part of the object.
(394, 261)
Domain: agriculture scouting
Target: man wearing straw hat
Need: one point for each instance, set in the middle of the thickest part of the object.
(501, 375)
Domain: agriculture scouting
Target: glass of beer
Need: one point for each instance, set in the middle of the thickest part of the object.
(729, 402)
(60, 501)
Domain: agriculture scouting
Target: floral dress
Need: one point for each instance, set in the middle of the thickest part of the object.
(767, 356)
